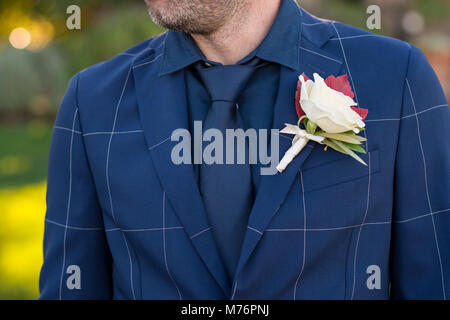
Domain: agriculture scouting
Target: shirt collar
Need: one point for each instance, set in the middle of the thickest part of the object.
(281, 45)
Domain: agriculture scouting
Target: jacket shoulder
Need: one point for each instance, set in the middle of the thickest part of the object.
(372, 54)
(363, 40)
(117, 65)
(101, 86)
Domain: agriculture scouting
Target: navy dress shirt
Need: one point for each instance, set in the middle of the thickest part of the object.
(256, 103)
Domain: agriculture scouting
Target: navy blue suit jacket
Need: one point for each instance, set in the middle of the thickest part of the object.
(134, 224)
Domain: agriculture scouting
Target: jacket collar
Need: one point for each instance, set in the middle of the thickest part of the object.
(281, 44)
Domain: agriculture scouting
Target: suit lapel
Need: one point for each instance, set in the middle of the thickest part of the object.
(162, 109)
(274, 188)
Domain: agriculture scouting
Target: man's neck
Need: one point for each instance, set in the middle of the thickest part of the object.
(241, 34)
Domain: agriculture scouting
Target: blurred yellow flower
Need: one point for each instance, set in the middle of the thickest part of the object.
(21, 233)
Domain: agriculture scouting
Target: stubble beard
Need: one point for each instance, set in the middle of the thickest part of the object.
(202, 17)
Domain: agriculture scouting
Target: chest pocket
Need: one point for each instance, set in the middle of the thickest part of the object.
(340, 171)
(336, 192)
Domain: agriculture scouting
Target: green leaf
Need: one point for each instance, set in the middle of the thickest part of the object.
(355, 147)
(358, 137)
(345, 137)
(333, 145)
(348, 151)
(354, 135)
(300, 120)
(311, 127)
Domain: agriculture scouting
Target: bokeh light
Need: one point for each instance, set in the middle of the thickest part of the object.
(413, 22)
(20, 38)
(42, 33)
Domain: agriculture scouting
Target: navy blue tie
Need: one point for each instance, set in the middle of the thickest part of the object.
(226, 189)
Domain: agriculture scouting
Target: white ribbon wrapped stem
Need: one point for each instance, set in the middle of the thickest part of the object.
(298, 143)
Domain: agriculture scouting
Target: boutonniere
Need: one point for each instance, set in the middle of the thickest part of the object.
(328, 115)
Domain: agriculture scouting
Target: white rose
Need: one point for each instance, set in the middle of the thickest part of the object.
(329, 109)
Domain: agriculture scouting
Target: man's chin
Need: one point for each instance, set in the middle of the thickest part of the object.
(158, 7)
(184, 16)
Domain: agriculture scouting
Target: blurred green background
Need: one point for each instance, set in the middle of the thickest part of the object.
(38, 55)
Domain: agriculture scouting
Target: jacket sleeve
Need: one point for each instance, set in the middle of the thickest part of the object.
(77, 262)
(420, 247)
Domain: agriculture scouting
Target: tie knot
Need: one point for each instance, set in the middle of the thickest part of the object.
(225, 83)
